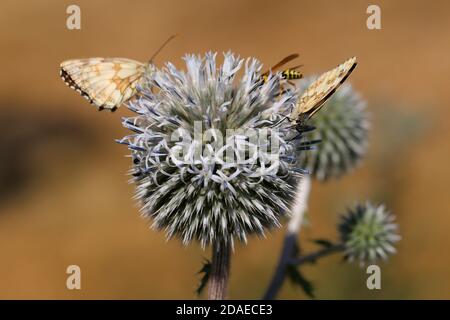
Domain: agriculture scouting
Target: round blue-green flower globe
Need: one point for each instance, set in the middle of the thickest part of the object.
(368, 233)
(342, 126)
(213, 159)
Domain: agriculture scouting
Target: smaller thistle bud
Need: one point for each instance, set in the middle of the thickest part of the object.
(342, 127)
(368, 233)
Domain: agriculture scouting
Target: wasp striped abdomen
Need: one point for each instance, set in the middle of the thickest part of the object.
(291, 74)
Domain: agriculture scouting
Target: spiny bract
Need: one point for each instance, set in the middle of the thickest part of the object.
(342, 126)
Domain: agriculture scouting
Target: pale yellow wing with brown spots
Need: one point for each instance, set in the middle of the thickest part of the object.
(105, 82)
(320, 90)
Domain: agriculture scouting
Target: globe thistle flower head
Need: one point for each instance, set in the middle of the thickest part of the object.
(211, 158)
(368, 233)
(342, 127)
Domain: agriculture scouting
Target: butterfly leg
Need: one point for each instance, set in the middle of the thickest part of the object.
(281, 121)
(297, 136)
(301, 130)
(305, 128)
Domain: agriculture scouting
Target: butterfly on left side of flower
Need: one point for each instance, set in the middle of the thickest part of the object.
(104, 82)
(107, 83)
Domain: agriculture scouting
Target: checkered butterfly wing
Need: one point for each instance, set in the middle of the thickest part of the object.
(321, 90)
(105, 82)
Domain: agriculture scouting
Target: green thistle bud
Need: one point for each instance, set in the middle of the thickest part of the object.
(368, 233)
(342, 127)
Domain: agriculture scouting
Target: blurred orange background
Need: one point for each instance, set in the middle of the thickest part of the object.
(64, 196)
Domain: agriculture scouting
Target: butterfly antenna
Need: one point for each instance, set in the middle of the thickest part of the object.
(160, 48)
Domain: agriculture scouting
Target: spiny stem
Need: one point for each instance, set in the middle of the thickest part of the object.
(298, 212)
(280, 271)
(220, 271)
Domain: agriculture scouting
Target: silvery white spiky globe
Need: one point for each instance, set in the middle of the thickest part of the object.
(368, 233)
(342, 127)
(196, 178)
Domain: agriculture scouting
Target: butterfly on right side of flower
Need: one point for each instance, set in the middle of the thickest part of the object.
(315, 96)
(106, 83)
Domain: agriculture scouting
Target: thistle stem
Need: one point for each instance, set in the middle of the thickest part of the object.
(220, 271)
(298, 212)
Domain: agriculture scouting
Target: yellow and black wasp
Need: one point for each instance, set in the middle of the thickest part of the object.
(289, 73)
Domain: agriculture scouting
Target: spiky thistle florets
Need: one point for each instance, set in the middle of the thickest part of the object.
(342, 126)
(368, 233)
(212, 161)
